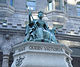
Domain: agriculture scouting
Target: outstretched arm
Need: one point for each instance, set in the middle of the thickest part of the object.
(30, 17)
(30, 14)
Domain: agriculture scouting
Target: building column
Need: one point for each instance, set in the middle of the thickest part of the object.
(6, 53)
(5, 62)
(53, 4)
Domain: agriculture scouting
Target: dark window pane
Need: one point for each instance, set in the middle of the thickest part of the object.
(76, 61)
(1, 58)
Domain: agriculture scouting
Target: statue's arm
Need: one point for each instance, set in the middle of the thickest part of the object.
(30, 14)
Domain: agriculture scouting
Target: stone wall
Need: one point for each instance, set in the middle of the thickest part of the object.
(41, 5)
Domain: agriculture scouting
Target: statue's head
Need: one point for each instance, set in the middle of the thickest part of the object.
(40, 14)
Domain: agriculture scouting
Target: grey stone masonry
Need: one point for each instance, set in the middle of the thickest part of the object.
(41, 5)
(71, 7)
(20, 4)
(71, 27)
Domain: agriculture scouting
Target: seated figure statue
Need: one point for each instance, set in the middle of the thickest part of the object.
(37, 30)
(41, 26)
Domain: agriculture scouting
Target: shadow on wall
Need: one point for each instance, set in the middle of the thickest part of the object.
(76, 61)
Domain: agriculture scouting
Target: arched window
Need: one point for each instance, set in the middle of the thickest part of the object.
(78, 8)
(49, 5)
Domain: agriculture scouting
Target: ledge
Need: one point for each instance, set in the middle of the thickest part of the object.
(21, 30)
(6, 10)
(68, 37)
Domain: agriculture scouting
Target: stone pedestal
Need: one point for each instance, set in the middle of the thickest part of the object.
(40, 54)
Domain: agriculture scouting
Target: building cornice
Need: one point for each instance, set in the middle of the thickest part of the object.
(21, 30)
(68, 37)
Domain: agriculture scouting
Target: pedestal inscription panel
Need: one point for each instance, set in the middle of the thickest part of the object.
(40, 54)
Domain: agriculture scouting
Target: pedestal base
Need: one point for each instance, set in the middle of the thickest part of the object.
(40, 54)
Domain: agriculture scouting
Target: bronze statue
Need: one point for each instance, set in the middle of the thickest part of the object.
(38, 30)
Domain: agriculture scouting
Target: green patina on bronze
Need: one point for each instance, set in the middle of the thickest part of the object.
(38, 30)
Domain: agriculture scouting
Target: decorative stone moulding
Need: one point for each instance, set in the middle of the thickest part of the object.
(41, 54)
(6, 10)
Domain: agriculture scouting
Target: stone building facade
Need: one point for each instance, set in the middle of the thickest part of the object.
(64, 14)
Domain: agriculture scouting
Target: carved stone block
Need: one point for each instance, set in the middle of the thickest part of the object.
(41, 54)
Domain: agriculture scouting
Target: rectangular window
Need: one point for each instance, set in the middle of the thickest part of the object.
(49, 6)
(11, 2)
(57, 4)
(2, 1)
(31, 5)
(78, 11)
